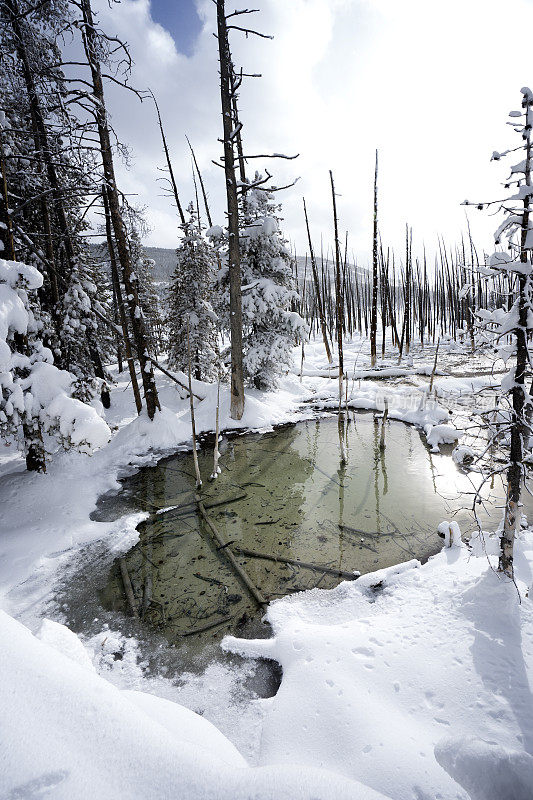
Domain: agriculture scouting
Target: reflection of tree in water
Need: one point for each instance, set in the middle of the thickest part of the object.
(283, 494)
(180, 580)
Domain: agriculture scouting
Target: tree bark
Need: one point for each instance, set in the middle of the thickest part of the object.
(6, 226)
(518, 422)
(130, 281)
(120, 305)
(320, 305)
(237, 381)
(374, 316)
(339, 300)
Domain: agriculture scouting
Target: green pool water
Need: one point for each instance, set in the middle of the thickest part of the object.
(286, 494)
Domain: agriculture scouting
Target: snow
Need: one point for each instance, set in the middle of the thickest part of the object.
(441, 434)
(379, 673)
(487, 770)
(77, 422)
(34, 391)
(73, 734)
(15, 273)
(451, 533)
(214, 232)
(462, 454)
(411, 683)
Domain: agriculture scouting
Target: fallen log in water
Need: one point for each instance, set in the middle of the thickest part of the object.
(147, 595)
(208, 627)
(241, 573)
(340, 573)
(128, 589)
(187, 509)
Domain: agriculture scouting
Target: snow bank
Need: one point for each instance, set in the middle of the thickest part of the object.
(68, 733)
(377, 673)
(487, 770)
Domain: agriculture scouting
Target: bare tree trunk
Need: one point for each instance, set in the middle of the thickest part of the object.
(204, 193)
(237, 382)
(338, 289)
(319, 301)
(216, 452)
(120, 304)
(116, 320)
(518, 423)
(6, 226)
(374, 316)
(169, 163)
(90, 42)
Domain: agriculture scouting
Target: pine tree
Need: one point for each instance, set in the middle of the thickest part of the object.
(48, 171)
(36, 397)
(148, 298)
(270, 328)
(189, 303)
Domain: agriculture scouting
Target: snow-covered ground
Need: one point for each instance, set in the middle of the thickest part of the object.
(409, 683)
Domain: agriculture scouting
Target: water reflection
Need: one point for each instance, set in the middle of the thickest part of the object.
(291, 494)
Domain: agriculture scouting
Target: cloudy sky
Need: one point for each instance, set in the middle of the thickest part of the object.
(429, 84)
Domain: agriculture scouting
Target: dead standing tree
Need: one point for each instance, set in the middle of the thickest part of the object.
(94, 43)
(226, 94)
(339, 300)
(319, 298)
(375, 253)
(230, 82)
(171, 179)
(117, 289)
(515, 323)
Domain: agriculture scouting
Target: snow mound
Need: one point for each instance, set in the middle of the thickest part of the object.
(68, 733)
(441, 434)
(15, 273)
(65, 642)
(451, 533)
(462, 454)
(143, 435)
(487, 770)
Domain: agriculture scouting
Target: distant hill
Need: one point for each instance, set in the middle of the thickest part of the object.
(165, 262)
(164, 259)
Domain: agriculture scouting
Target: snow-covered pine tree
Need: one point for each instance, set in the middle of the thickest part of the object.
(189, 301)
(512, 328)
(83, 339)
(36, 397)
(270, 328)
(49, 170)
(148, 298)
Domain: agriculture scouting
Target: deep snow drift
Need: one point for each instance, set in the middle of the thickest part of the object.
(409, 684)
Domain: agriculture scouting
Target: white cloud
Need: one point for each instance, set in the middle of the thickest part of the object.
(430, 84)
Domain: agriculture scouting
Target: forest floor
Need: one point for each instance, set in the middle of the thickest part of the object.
(412, 683)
